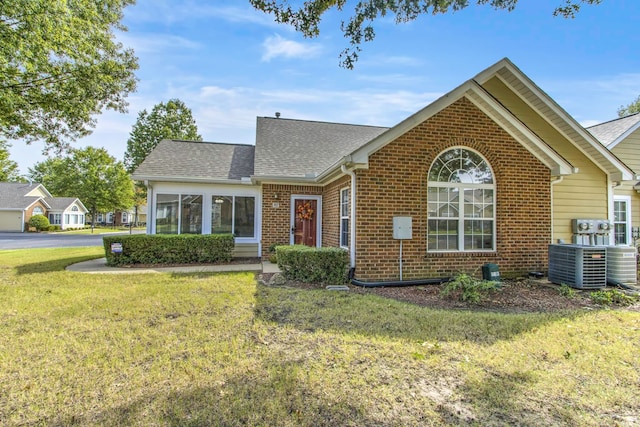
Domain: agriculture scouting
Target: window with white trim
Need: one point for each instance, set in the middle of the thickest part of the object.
(622, 220)
(38, 211)
(344, 217)
(461, 203)
(55, 219)
(179, 214)
(233, 214)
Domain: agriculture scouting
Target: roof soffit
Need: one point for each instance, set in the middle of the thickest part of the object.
(556, 117)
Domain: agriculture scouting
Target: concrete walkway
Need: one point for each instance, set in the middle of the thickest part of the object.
(99, 266)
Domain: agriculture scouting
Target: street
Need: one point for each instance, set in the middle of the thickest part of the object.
(53, 240)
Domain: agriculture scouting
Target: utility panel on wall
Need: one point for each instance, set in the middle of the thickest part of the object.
(402, 227)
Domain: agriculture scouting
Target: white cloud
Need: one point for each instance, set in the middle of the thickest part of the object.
(276, 46)
(157, 42)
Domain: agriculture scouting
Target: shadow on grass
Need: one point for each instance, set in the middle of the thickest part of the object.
(370, 315)
(277, 394)
(52, 265)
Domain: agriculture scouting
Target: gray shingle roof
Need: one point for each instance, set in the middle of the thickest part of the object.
(60, 203)
(608, 132)
(297, 148)
(12, 195)
(197, 160)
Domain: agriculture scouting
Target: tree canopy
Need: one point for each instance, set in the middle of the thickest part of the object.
(9, 171)
(91, 174)
(60, 65)
(306, 17)
(172, 120)
(634, 107)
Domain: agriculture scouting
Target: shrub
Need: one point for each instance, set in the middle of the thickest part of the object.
(313, 265)
(54, 228)
(169, 249)
(273, 257)
(39, 222)
(567, 291)
(468, 289)
(609, 297)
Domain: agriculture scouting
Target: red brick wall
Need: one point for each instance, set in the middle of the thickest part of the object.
(331, 212)
(396, 185)
(276, 221)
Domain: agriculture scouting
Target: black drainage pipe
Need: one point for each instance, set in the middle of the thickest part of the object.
(399, 283)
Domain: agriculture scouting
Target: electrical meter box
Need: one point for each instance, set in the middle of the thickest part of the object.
(402, 227)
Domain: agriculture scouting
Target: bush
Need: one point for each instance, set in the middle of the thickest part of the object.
(313, 265)
(39, 222)
(54, 228)
(609, 297)
(567, 291)
(169, 249)
(469, 289)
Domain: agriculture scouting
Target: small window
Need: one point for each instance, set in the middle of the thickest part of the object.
(38, 210)
(344, 217)
(622, 220)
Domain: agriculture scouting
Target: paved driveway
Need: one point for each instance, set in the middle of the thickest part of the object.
(54, 240)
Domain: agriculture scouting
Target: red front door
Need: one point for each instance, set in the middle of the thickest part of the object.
(305, 222)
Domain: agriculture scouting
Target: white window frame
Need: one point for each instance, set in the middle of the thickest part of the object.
(40, 211)
(233, 212)
(344, 215)
(461, 205)
(627, 201)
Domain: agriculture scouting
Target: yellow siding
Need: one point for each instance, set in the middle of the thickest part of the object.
(37, 192)
(246, 250)
(10, 221)
(626, 189)
(579, 195)
(629, 151)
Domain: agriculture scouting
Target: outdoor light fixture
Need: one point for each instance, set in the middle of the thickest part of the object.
(219, 200)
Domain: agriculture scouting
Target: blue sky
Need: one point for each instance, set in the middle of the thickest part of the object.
(230, 64)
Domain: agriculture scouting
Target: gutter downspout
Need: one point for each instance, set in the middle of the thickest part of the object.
(352, 225)
(558, 180)
(22, 221)
(150, 220)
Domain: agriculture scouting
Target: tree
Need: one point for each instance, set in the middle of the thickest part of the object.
(8, 168)
(172, 120)
(60, 66)
(634, 107)
(90, 174)
(306, 18)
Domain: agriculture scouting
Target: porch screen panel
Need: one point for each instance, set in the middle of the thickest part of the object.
(244, 216)
(221, 215)
(167, 206)
(191, 214)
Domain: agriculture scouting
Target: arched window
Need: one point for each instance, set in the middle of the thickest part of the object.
(461, 203)
(74, 208)
(38, 211)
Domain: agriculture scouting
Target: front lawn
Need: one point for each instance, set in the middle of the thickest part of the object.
(218, 349)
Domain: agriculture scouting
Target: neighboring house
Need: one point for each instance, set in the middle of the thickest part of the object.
(123, 217)
(491, 172)
(622, 137)
(66, 212)
(20, 201)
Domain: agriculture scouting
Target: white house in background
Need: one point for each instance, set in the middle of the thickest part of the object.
(67, 212)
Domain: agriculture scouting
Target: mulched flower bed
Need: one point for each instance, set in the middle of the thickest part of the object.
(515, 296)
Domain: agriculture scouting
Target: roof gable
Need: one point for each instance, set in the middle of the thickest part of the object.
(192, 161)
(554, 115)
(614, 131)
(18, 195)
(487, 104)
(63, 203)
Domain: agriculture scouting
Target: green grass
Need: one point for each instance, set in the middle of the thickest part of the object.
(217, 349)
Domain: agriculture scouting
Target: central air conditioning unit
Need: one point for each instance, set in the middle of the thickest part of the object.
(578, 266)
(622, 265)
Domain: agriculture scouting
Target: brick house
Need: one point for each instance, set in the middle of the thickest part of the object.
(20, 201)
(493, 171)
